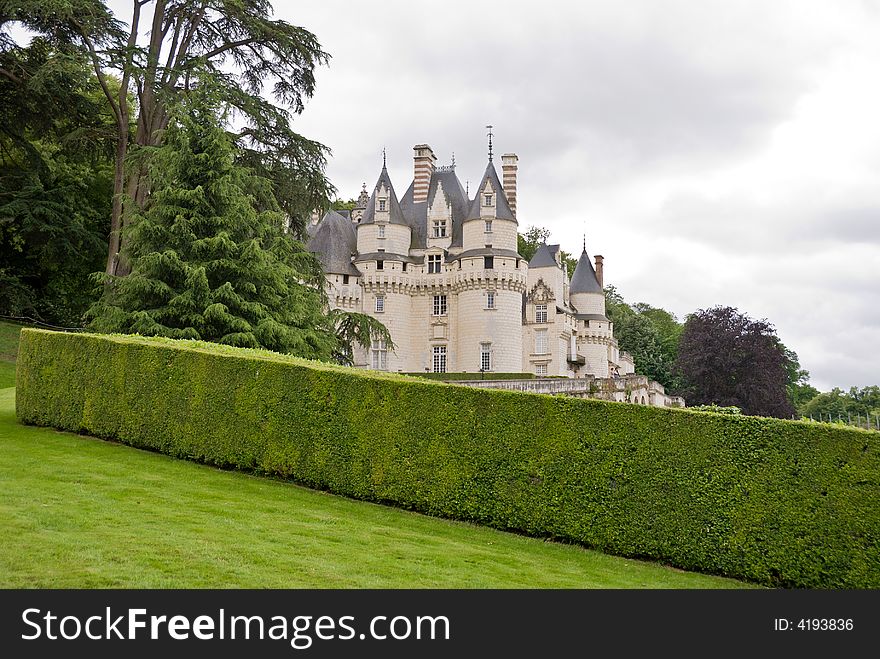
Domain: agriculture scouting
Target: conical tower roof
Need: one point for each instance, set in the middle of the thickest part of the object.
(395, 214)
(502, 207)
(584, 278)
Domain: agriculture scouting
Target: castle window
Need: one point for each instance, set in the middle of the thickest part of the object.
(404, 266)
(380, 304)
(344, 279)
(490, 300)
(541, 369)
(439, 359)
(380, 356)
(485, 356)
(488, 262)
(433, 264)
(381, 205)
(488, 226)
(439, 305)
(487, 200)
(381, 230)
(540, 313)
(541, 346)
(380, 265)
(439, 229)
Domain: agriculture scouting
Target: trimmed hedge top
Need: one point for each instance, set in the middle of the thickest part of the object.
(778, 502)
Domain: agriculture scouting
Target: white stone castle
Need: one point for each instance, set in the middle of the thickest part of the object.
(441, 271)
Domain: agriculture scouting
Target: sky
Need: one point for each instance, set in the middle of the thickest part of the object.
(715, 152)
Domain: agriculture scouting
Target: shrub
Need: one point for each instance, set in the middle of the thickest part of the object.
(778, 502)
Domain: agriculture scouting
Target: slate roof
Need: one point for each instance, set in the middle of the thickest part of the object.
(584, 278)
(334, 241)
(502, 208)
(545, 256)
(395, 214)
(416, 213)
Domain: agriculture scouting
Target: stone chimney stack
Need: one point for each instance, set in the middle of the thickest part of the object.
(423, 166)
(508, 167)
(599, 266)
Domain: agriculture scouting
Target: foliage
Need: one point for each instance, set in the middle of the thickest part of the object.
(230, 522)
(357, 329)
(838, 403)
(445, 377)
(528, 243)
(778, 502)
(206, 263)
(56, 172)
(728, 359)
(649, 334)
(716, 409)
(340, 205)
(234, 47)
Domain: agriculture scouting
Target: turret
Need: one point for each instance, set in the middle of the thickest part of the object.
(585, 293)
(383, 229)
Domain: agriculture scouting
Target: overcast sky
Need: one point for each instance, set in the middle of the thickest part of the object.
(715, 152)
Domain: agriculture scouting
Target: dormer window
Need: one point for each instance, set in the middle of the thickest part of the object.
(487, 200)
(439, 229)
(382, 205)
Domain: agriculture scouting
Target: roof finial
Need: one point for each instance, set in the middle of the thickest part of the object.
(453, 159)
(383, 157)
(489, 127)
(467, 188)
(585, 242)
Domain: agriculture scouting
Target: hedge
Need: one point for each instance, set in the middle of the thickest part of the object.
(777, 502)
(474, 376)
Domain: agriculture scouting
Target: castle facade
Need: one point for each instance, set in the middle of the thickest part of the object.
(440, 269)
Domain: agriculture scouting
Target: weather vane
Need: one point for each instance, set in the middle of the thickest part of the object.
(383, 157)
(489, 128)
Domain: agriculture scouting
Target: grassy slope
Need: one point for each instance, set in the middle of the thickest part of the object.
(8, 351)
(80, 512)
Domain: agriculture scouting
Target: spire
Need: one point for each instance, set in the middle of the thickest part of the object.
(584, 278)
(383, 157)
(489, 127)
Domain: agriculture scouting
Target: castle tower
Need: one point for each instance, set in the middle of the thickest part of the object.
(594, 338)
(492, 279)
(383, 242)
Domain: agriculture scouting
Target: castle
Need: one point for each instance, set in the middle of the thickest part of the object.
(441, 271)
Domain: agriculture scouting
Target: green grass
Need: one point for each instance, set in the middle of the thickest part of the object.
(8, 351)
(81, 512)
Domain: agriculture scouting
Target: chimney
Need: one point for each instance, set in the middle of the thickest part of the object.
(508, 168)
(423, 166)
(599, 266)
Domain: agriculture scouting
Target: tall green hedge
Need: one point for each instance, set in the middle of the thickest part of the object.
(474, 376)
(778, 502)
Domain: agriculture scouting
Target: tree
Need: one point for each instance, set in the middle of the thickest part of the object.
(726, 358)
(56, 141)
(234, 46)
(528, 243)
(357, 329)
(851, 404)
(207, 263)
(800, 392)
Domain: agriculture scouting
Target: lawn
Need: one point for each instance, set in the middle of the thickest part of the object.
(8, 351)
(82, 512)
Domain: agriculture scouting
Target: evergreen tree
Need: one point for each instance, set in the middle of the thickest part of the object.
(207, 263)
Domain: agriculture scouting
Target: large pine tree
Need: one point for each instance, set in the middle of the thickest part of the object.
(209, 257)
